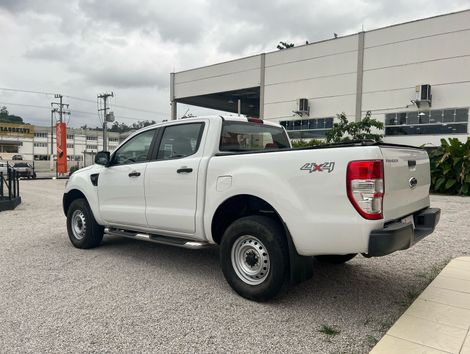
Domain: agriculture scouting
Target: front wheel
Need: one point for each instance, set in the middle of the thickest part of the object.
(83, 230)
(254, 257)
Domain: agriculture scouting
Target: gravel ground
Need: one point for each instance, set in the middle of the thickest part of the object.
(131, 296)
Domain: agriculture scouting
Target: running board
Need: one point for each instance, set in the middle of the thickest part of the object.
(165, 240)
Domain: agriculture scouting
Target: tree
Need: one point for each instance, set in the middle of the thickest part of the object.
(6, 117)
(123, 127)
(284, 45)
(306, 143)
(347, 131)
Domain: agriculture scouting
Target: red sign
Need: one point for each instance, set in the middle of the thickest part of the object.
(61, 131)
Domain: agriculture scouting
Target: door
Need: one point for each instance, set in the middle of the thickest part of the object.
(121, 185)
(171, 180)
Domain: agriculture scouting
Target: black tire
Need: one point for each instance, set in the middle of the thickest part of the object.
(336, 258)
(90, 234)
(272, 251)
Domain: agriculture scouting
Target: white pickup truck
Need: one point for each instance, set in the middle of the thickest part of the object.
(237, 183)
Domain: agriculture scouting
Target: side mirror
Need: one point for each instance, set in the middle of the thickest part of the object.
(102, 158)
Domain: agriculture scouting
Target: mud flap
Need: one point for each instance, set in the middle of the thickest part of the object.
(300, 267)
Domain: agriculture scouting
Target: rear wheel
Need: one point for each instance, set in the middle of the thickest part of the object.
(83, 230)
(336, 258)
(254, 257)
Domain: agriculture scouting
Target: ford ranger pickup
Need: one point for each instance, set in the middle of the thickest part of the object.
(237, 183)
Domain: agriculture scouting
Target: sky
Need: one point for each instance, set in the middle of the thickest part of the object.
(81, 48)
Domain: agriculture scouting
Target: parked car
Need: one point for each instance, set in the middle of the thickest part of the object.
(237, 183)
(17, 157)
(24, 170)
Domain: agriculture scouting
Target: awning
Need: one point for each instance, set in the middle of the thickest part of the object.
(10, 142)
(228, 101)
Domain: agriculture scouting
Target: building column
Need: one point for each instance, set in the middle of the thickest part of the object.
(261, 84)
(172, 97)
(360, 74)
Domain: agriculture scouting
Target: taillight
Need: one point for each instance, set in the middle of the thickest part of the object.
(365, 185)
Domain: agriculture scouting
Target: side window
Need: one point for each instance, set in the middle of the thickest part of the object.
(135, 150)
(179, 141)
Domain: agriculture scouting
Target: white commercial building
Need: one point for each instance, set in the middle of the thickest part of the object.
(38, 144)
(414, 77)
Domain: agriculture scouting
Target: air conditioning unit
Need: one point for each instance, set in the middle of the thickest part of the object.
(423, 94)
(302, 107)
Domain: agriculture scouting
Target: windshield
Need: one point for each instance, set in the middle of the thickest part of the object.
(241, 136)
(21, 164)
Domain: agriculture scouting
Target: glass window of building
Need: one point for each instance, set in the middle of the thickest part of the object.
(430, 122)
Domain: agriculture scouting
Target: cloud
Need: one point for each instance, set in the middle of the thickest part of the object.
(173, 21)
(82, 47)
(52, 51)
(125, 77)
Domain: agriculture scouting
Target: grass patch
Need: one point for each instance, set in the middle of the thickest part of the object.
(426, 277)
(410, 296)
(386, 324)
(371, 340)
(429, 275)
(329, 330)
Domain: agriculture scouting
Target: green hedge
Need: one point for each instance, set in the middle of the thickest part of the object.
(300, 143)
(450, 167)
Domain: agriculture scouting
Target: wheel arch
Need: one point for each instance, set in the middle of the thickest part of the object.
(237, 206)
(69, 197)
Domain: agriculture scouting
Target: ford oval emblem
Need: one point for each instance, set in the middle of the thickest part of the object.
(413, 182)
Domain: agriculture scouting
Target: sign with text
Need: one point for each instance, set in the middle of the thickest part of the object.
(61, 131)
(16, 130)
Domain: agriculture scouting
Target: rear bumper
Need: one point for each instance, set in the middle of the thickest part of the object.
(398, 236)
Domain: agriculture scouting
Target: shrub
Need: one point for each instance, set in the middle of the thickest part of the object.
(450, 167)
(346, 131)
(73, 169)
(306, 143)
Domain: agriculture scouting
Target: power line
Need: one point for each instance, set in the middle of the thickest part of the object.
(82, 99)
(27, 91)
(73, 110)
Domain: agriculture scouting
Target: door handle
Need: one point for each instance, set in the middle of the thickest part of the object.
(184, 170)
(134, 174)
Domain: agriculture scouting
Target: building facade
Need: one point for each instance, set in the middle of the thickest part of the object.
(414, 77)
(37, 144)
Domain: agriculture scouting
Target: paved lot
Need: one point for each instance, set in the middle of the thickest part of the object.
(130, 296)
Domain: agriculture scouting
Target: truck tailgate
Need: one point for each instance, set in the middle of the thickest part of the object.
(407, 180)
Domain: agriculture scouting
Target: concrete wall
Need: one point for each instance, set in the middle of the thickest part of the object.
(232, 75)
(325, 73)
(433, 51)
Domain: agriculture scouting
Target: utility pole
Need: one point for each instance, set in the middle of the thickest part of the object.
(105, 96)
(60, 108)
(61, 112)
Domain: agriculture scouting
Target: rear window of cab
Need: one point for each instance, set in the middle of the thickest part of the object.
(241, 136)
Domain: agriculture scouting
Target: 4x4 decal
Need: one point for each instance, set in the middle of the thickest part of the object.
(314, 167)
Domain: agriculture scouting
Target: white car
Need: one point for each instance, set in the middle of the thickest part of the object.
(237, 183)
